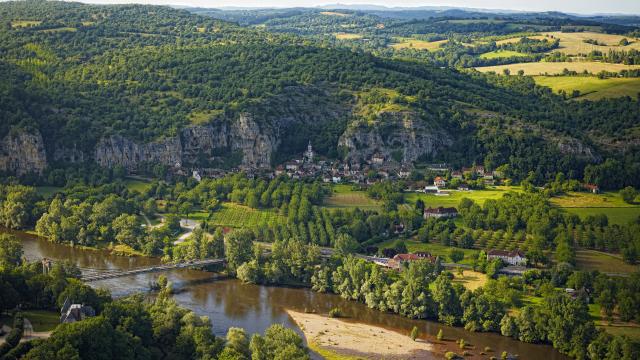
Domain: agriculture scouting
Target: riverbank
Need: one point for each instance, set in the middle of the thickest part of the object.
(357, 340)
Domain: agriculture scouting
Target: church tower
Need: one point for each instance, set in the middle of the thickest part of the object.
(308, 155)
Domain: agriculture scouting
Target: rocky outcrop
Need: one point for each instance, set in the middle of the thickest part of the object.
(243, 135)
(23, 153)
(400, 136)
(573, 146)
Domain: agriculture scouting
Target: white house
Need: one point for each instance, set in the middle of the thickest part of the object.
(515, 257)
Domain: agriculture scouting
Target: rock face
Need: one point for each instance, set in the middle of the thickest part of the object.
(23, 153)
(399, 136)
(572, 146)
(193, 143)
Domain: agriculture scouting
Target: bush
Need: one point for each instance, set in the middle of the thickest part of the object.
(440, 335)
(335, 313)
(450, 355)
(414, 333)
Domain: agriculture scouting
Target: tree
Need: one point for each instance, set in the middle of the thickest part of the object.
(10, 252)
(414, 333)
(238, 248)
(278, 343)
(456, 255)
(440, 335)
(628, 194)
(345, 244)
(238, 343)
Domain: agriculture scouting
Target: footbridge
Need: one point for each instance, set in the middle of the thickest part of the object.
(89, 275)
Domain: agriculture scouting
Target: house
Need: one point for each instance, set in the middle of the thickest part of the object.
(404, 173)
(431, 189)
(336, 179)
(279, 170)
(377, 159)
(592, 188)
(439, 182)
(291, 166)
(440, 212)
(456, 175)
(75, 312)
(479, 170)
(515, 257)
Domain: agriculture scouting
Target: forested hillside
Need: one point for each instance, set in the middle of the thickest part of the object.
(101, 83)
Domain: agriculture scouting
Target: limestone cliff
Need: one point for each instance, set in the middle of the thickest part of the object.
(194, 144)
(400, 136)
(22, 153)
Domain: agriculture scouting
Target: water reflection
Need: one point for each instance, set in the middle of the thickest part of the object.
(229, 303)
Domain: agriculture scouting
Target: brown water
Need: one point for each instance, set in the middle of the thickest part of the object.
(231, 303)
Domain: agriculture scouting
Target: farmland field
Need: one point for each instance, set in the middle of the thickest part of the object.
(502, 54)
(479, 196)
(409, 43)
(239, 216)
(584, 199)
(596, 260)
(591, 87)
(572, 43)
(622, 215)
(551, 68)
(347, 36)
(345, 197)
(25, 23)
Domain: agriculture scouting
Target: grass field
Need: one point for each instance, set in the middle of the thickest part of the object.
(24, 23)
(136, 184)
(40, 319)
(596, 260)
(334, 13)
(585, 199)
(552, 68)
(471, 280)
(238, 216)
(47, 191)
(60, 29)
(591, 87)
(345, 197)
(616, 215)
(502, 54)
(479, 196)
(202, 117)
(409, 43)
(347, 36)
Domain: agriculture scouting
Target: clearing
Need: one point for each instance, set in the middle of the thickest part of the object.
(555, 68)
(620, 216)
(585, 199)
(347, 36)
(591, 87)
(502, 54)
(337, 339)
(344, 196)
(454, 197)
(410, 43)
(24, 23)
(334, 13)
(136, 184)
(604, 262)
(470, 279)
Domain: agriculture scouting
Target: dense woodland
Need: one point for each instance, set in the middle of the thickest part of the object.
(121, 72)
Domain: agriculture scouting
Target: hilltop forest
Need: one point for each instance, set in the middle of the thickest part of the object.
(78, 74)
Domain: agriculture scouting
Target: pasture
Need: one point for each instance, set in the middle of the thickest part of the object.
(347, 36)
(470, 279)
(621, 215)
(16, 24)
(240, 216)
(41, 320)
(410, 43)
(591, 87)
(454, 197)
(608, 263)
(585, 199)
(502, 54)
(555, 68)
(344, 196)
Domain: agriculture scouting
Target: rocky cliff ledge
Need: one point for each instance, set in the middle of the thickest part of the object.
(23, 153)
(196, 142)
(396, 136)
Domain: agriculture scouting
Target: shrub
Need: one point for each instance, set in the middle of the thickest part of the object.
(414, 333)
(335, 313)
(450, 355)
(440, 335)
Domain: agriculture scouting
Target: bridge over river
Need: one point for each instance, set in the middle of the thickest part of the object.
(89, 274)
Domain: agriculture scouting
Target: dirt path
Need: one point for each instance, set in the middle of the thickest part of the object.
(359, 340)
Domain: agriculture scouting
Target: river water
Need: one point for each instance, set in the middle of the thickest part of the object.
(231, 303)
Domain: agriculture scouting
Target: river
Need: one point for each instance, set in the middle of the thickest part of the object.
(231, 303)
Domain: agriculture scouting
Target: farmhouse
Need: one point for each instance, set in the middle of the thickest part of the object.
(75, 312)
(403, 259)
(592, 188)
(440, 212)
(456, 175)
(439, 182)
(515, 257)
